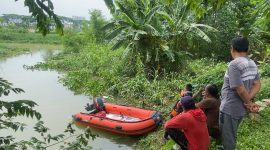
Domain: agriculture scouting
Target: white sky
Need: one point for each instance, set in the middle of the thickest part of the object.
(66, 8)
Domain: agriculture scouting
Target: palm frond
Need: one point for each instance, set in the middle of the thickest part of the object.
(184, 13)
(141, 16)
(169, 53)
(151, 14)
(124, 23)
(126, 12)
(127, 50)
(149, 28)
(138, 33)
(128, 20)
(200, 33)
(110, 5)
(140, 10)
(115, 33)
(118, 44)
(167, 17)
(265, 9)
(140, 5)
(205, 26)
(110, 25)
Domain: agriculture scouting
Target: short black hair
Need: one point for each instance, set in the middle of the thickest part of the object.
(189, 87)
(212, 90)
(240, 44)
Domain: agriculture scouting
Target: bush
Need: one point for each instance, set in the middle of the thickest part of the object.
(73, 42)
(265, 70)
(207, 71)
(264, 91)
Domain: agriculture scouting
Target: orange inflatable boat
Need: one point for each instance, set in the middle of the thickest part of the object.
(121, 119)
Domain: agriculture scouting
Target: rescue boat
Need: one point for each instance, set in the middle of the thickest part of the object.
(121, 119)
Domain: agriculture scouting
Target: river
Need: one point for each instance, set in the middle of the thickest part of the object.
(55, 102)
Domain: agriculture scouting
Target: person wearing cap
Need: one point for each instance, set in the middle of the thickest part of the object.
(177, 107)
(189, 129)
(241, 84)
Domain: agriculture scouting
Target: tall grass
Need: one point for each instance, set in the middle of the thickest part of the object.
(11, 49)
(29, 37)
(6, 51)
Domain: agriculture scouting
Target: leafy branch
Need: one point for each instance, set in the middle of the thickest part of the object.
(43, 12)
(13, 109)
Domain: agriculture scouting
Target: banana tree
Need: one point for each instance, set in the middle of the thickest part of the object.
(134, 27)
(155, 32)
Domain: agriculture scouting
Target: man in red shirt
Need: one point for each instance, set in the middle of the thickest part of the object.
(189, 128)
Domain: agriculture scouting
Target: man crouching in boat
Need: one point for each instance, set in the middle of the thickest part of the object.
(189, 128)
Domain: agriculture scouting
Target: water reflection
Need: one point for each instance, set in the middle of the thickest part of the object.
(56, 103)
(119, 139)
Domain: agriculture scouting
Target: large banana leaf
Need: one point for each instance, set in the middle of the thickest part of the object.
(127, 50)
(110, 5)
(115, 33)
(265, 9)
(151, 14)
(152, 30)
(169, 53)
(118, 44)
(128, 13)
(110, 25)
(167, 17)
(198, 32)
(205, 26)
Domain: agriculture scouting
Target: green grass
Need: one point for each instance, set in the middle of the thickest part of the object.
(168, 145)
(13, 37)
(11, 49)
(6, 51)
(254, 134)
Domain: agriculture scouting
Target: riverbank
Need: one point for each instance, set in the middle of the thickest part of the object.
(13, 41)
(11, 49)
(86, 72)
(28, 37)
(252, 133)
(96, 70)
(93, 69)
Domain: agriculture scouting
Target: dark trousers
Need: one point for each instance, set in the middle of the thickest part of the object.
(178, 136)
(214, 133)
(228, 126)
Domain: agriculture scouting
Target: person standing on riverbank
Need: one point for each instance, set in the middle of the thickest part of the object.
(241, 84)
